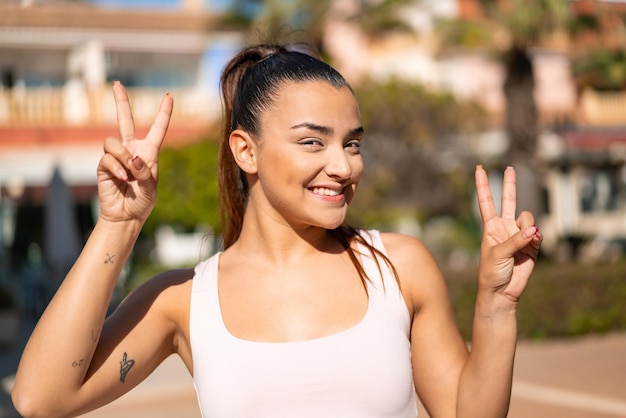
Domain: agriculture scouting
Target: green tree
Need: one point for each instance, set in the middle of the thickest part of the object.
(601, 69)
(599, 60)
(509, 29)
(187, 191)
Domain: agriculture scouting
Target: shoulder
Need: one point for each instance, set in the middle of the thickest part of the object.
(418, 273)
(406, 252)
(402, 245)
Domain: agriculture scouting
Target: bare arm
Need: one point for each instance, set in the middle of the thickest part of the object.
(56, 374)
(438, 352)
(509, 250)
(451, 381)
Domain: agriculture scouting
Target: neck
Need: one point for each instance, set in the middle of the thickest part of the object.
(279, 243)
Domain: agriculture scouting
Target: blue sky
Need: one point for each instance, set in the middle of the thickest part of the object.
(156, 4)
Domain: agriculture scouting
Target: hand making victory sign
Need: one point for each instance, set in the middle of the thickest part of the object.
(127, 173)
(509, 246)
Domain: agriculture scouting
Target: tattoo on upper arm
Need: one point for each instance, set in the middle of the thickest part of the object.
(109, 259)
(78, 363)
(125, 365)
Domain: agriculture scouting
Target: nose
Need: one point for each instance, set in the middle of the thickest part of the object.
(338, 166)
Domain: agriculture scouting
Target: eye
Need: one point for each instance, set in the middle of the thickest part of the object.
(312, 143)
(353, 146)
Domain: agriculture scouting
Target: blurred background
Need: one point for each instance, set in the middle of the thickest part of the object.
(443, 85)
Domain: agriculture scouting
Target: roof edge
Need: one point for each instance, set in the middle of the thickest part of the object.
(81, 15)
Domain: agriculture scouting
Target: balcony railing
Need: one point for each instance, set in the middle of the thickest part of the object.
(28, 107)
(52, 107)
(602, 108)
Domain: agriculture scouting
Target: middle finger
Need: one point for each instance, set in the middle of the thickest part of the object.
(508, 194)
(125, 122)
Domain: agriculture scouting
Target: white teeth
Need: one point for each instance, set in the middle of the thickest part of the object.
(325, 192)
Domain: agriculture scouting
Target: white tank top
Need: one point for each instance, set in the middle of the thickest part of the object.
(364, 371)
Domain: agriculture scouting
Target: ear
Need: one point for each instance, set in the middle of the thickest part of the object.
(244, 150)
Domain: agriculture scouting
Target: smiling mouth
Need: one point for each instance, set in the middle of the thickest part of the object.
(322, 191)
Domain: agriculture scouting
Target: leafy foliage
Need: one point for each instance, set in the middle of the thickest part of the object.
(584, 23)
(560, 300)
(529, 22)
(465, 33)
(602, 69)
(187, 191)
(267, 20)
(376, 18)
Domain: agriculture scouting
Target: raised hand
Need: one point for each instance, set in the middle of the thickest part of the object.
(509, 246)
(128, 171)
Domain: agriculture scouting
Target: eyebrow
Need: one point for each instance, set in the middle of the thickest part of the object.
(325, 130)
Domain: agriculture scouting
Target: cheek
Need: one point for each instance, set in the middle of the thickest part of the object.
(283, 169)
(357, 169)
(357, 173)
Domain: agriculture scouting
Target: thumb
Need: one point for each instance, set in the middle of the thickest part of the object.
(518, 241)
(140, 169)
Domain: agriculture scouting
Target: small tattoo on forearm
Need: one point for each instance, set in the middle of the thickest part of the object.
(125, 365)
(109, 259)
(78, 363)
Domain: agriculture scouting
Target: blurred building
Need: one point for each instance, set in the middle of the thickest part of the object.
(57, 62)
(581, 155)
(58, 58)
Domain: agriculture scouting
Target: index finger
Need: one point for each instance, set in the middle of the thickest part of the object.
(157, 132)
(125, 122)
(486, 204)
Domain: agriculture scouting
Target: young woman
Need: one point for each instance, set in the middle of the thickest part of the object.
(299, 315)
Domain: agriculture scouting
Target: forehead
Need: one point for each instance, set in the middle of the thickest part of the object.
(315, 101)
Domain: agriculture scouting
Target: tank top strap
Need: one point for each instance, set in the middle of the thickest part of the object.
(378, 270)
(205, 310)
(205, 278)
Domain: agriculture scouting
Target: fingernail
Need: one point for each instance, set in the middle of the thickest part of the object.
(530, 231)
(121, 174)
(137, 162)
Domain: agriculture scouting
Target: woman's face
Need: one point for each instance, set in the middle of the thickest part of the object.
(308, 157)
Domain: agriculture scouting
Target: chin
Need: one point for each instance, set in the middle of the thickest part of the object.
(327, 220)
(333, 224)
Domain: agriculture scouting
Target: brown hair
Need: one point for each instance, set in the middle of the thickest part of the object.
(249, 83)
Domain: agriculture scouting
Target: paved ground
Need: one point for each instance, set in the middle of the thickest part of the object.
(578, 378)
(572, 378)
